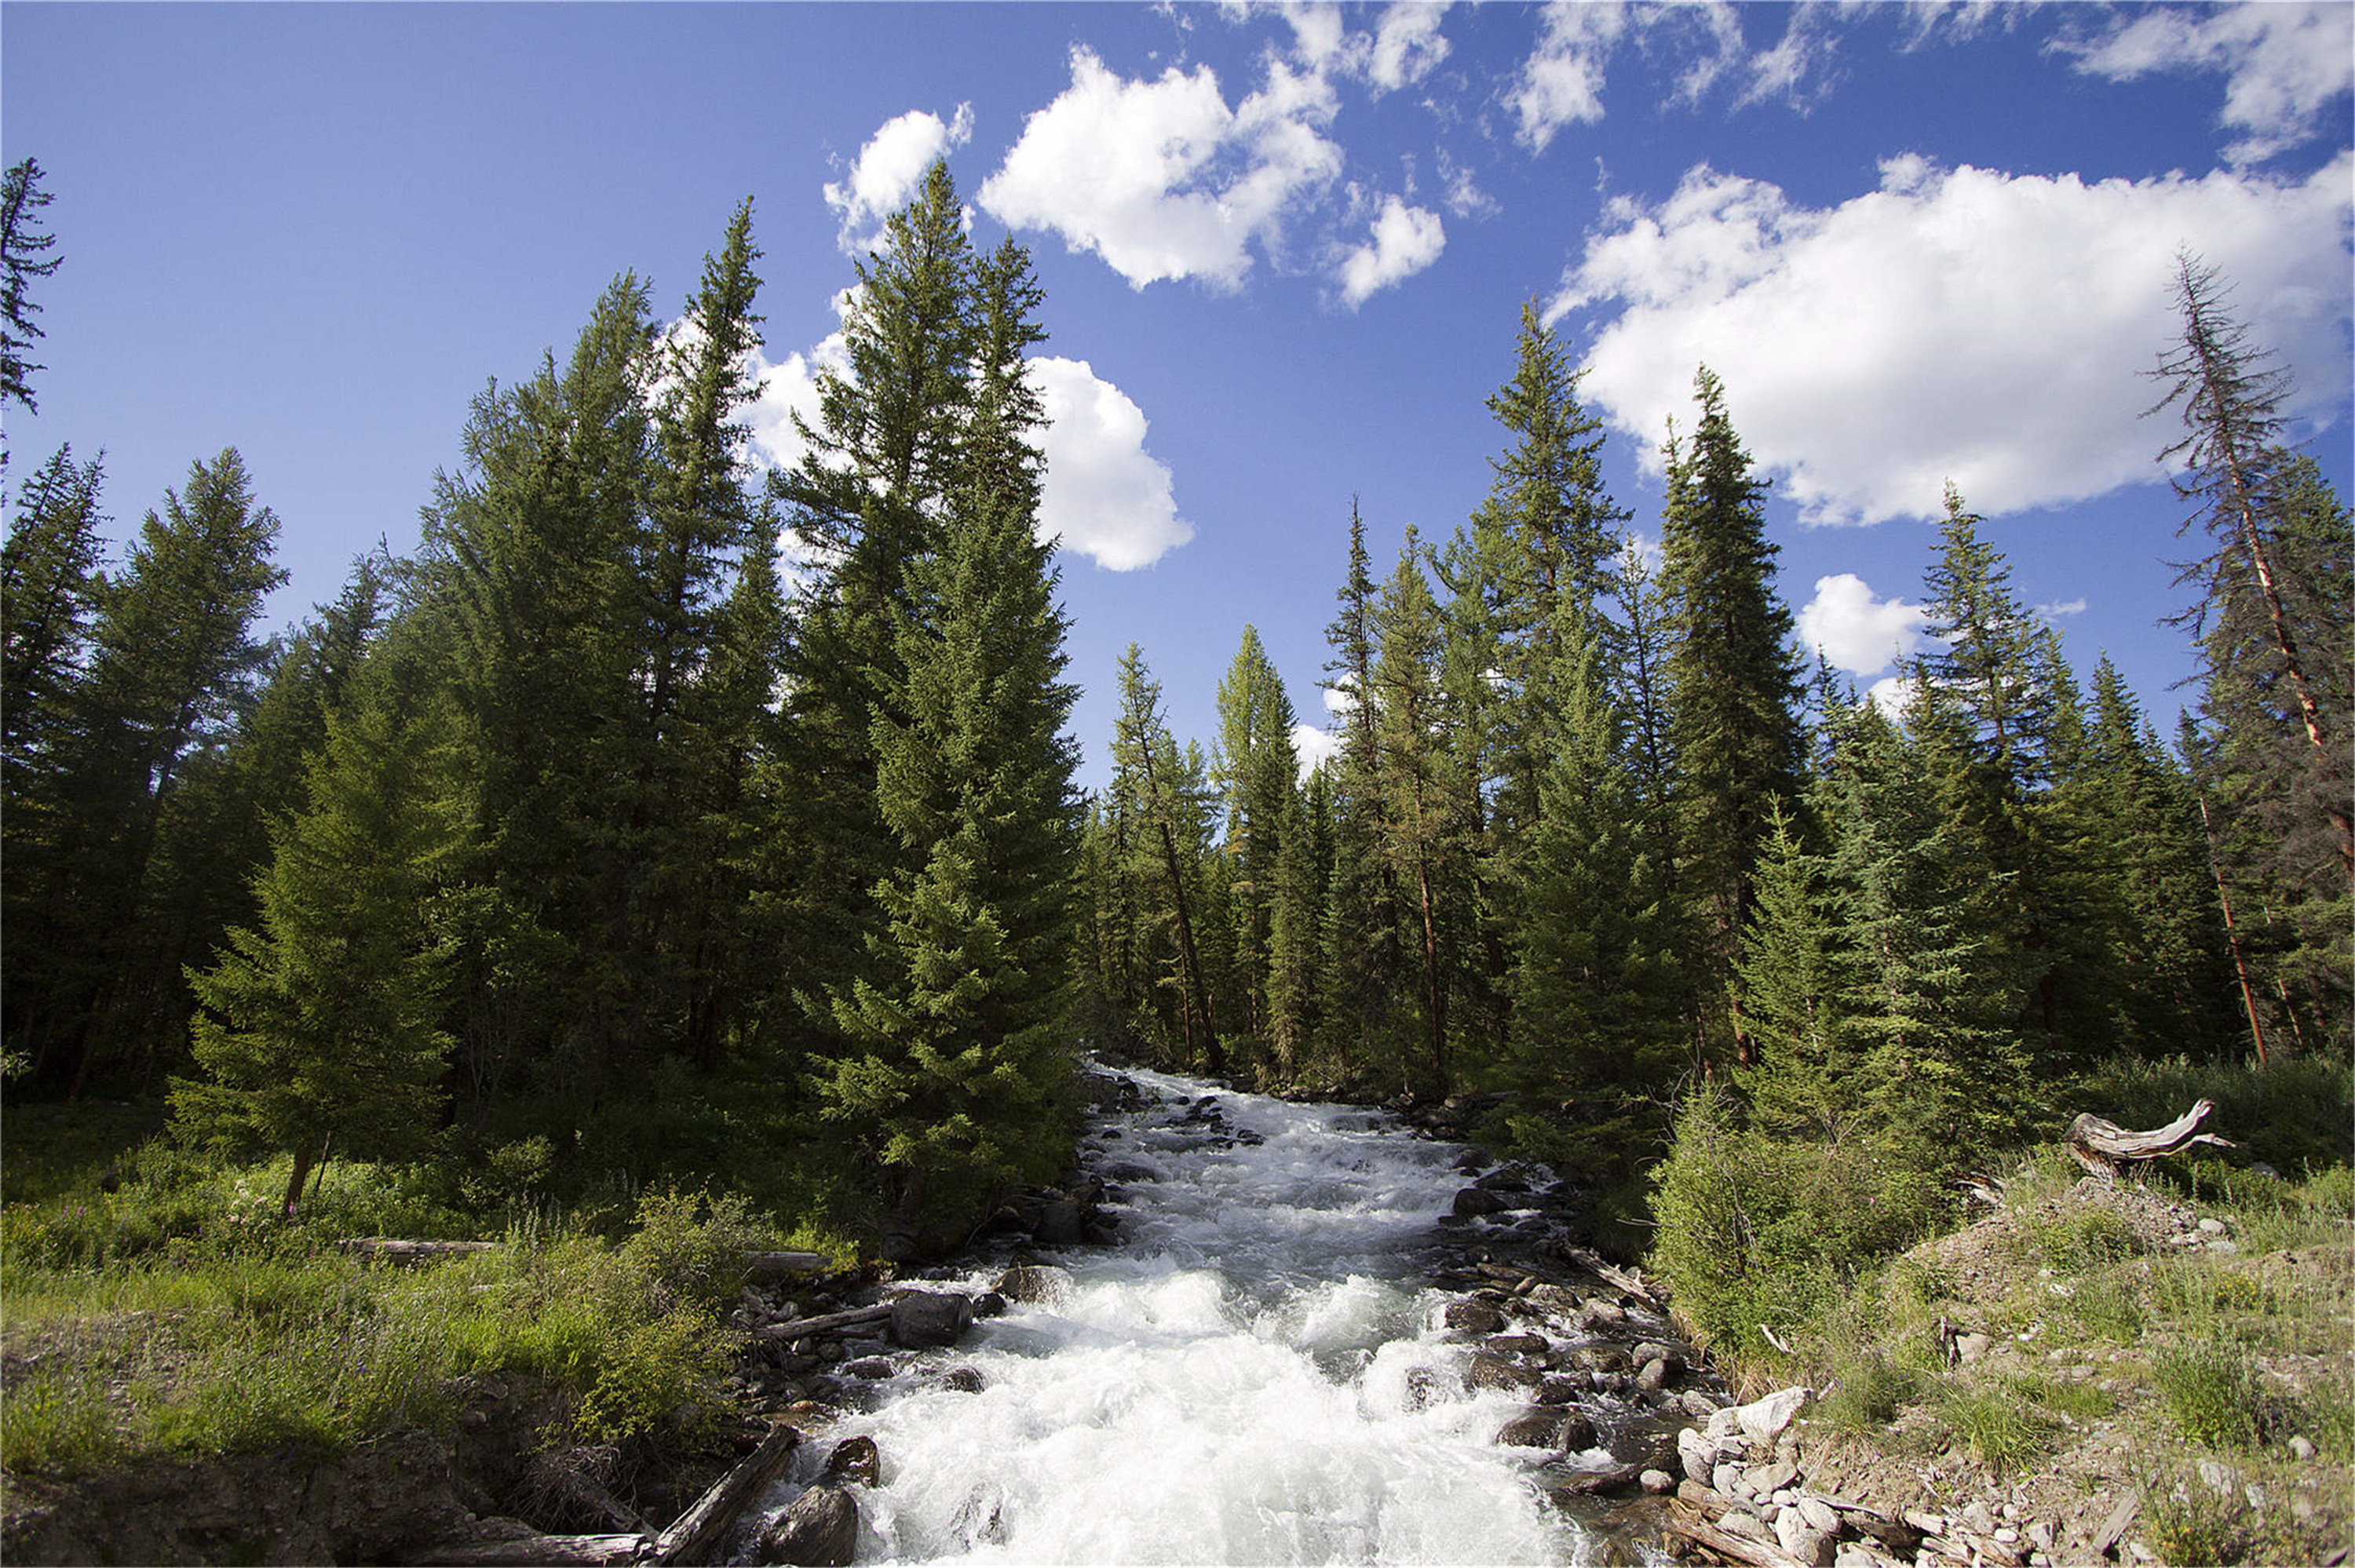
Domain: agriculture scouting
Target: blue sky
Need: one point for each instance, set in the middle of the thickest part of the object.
(1284, 249)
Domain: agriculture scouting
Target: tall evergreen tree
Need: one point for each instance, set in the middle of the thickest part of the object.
(1423, 805)
(172, 663)
(24, 255)
(1736, 691)
(1256, 768)
(323, 1021)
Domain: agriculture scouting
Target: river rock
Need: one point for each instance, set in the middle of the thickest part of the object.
(1766, 1480)
(1495, 1372)
(1474, 1202)
(1517, 1345)
(1803, 1541)
(963, 1380)
(1604, 1482)
(1059, 1223)
(1035, 1282)
(1658, 1483)
(1762, 1421)
(1472, 1317)
(857, 1460)
(874, 1368)
(819, 1531)
(927, 1320)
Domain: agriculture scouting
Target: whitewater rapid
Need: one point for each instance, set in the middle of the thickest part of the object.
(1253, 1375)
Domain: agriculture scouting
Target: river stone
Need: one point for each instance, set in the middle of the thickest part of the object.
(855, 1459)
(926, 1321)
(1749, 1525)
(1536, 1427)
(1604, 1482)
(1472, 1317)
(1037, 1282)
(1653, 1376)
(963, 1380)
(1495, 1372)
(1560, 1389)
(1059, 1223)
(1726, 1478)
(1811, 1546)
(1659, 1483)
(1819, 1514)
(819, 1531)
(1472, 1203)
(1517, 1345)
(872, 1368)
(1762, 1421)
(1766, 1480)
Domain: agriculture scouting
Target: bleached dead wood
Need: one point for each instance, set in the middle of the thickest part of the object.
(699, 1530)
(2102, 1146)
(562, 1551)
(827, 1324)
(1684, 1520)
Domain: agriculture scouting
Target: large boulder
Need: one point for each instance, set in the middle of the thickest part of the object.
(927, 1320)
(1040, 1283)
(1761, 1421)
(819, 1531)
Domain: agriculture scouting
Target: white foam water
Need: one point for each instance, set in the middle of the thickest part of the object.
(1250, 1376)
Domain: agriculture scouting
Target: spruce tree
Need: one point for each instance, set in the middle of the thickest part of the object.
(24, 255)
(1424, 808)
(323, 1021)
(1735, 692)
(1256, 768)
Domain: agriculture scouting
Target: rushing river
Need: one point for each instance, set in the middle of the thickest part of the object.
(1253, 1375)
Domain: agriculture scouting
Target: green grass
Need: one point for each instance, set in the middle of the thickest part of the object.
(2008, 1436)
(220, 1346)
(2210, 1391)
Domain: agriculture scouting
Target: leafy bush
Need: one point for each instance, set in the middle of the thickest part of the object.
(690, 1249)
(656, 1382)
(1868, 1391)
(1754, 1232)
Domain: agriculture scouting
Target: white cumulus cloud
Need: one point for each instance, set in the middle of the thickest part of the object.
(1857, 630)
(1971, 325)
(888, 168)
(1561, 82)
(1405, 240)
(1105, 496)
(1161, 177)
(2283, 64)
(1312, 746)
(1408, 45)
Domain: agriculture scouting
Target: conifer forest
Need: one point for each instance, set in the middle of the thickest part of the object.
(668, 821)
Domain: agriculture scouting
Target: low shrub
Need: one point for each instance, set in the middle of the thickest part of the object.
(2005, 1433)
(1757, 1233)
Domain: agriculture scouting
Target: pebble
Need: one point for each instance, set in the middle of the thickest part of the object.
(2006, 1535)
(2301, 1447)
(2212, 1227)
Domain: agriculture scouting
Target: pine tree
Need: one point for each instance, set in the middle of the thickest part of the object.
(868, 498)
(1594, 1003)
(1360, 941)
(172, 663)
(1297, 963)
(1420, 836)
(23, 256)
(1795, 975)
(323, 1021)
(1735, 690)
(2241, 479)
(1255, 770)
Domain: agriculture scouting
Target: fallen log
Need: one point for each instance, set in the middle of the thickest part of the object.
(826, 1324)
(1725, 1543)
(699, 1532)
(2102, 1146)
(562, 1551)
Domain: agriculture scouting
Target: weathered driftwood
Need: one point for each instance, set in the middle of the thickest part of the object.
(562, 1551)
(699, 1530)
(2102, 1146)
(827, 1324)
(1683, 1519)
